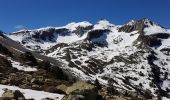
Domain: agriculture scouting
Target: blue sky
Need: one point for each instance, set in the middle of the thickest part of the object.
(31, 14)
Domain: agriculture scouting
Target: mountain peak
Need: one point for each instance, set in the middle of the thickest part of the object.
(144, 21)
(103, 24)
(137, 25)
(131, 22)
(103, 21)
(72, 26)
(147, 22)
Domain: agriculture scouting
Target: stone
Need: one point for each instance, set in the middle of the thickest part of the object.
(8, 94)
(80, 86)
(38, 80)
(62, 87)
(51, 89)
(4, 81)
(76, 97)
(86, 90)
(37, 87)
(17, 95)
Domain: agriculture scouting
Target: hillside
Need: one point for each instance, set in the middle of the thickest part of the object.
(131, 60)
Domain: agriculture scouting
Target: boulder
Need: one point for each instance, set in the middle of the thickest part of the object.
(8, 94)
(39, 80)
(53, 89)
(81, 91)
(62, 87)
(4, 81)
(36, 87)
(17, 95)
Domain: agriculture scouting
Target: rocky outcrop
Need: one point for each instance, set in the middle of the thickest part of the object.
(62, 87)
(5, 63)
(138, 25)
(5, 51)
(96, 34)
(81, 30)
(148, 41)
(81, 91)
(28, 59)
(55, 47)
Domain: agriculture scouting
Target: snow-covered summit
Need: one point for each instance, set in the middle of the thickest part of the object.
(47, 37)
(72, 26)
(103, 24)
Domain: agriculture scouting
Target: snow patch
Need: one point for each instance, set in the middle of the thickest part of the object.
(32, 94)
(155, 29)
(22, 67)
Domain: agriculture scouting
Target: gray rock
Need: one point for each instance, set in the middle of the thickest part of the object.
(17, 95)
(81, 91)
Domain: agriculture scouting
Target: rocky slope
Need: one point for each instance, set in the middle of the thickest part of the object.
(20, 69)
(131, 59)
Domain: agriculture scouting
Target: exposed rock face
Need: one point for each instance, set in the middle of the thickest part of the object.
(80, 31)
(151, 41)
(138, 25)
(28, 59)
(96, 34)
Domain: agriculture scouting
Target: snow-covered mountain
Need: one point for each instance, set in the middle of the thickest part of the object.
(133, 57)
(44, 38)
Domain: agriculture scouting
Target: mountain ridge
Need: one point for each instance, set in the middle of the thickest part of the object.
(133, 57)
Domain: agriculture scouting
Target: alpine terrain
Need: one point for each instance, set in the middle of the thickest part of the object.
(85, 61)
